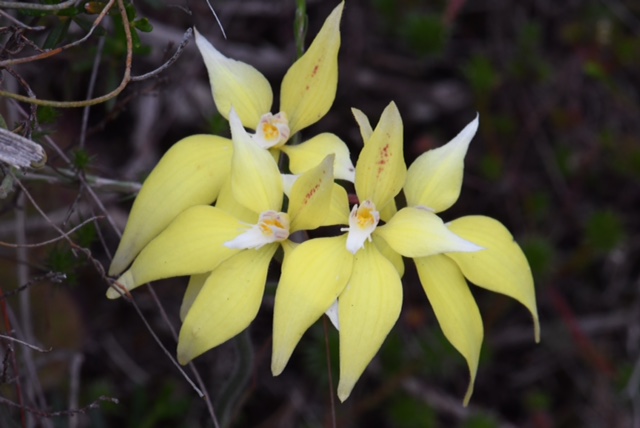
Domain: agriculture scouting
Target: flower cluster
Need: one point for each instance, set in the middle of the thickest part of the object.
(218, 210)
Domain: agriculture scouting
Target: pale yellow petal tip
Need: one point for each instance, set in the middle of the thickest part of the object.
(344, 389)
(126, 280)
(467, 396)
(278, 363)
(119, 263)
(184, 357)
(536, 328)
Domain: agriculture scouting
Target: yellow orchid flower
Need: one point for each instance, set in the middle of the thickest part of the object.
(307, 93)
(227, 257)
(361, 269)
(433, 182)
(191, 173)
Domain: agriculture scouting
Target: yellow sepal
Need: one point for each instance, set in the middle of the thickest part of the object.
(310, 153)
(190, 173)
(255, 178)
(235, 84)
(313, 275)
(363, 123)
(310, 199)
(226, 305)
(417, 232)
(191, 244)
(434, 179)
(368, 308)
(501, 267)
(380, 170)
(196, 282)
(455, 309)
(309, 87)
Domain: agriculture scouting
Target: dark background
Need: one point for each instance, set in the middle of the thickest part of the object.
(556, 159)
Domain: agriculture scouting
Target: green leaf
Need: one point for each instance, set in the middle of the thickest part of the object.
(143, 25)
(57, 34)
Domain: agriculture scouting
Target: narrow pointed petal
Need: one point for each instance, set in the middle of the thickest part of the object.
(196, 282)
(455, 309)
(363, 122)
(255, 178)
(191, 244)
(309, 87)
(235, 84)
(226, 305)
(434, 179)
(313, 275)
(368, 308)
(310, 153)
(190, 173)
(310, 199)
(390, 254)
(417, 232)
(381, 171)
(339, 207)
(502, 267)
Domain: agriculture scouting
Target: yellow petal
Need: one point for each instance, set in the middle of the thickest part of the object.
(380, 171)
(390, 254)
(236, 84)
(369, 307)
(363, 124)
(501, 267)
(255, 178)
(455, 308)
(417, 232)
(309, 87)
(305, 156)
(388, 211)
(191, 244)
(229, 204)
(196, 282)
(190, 173)
(339, 207)
(434, 179)
(310, 199)
(313, 275)
(226, 305)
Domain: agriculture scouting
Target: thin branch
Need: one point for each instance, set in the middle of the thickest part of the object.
(50, 276)
(215, 15)
(170, 61)
(52, 52)
(205, 395)
(67, 176)
(34, 347)
(92, 84)
(37, 6)
(50, 241)
(20, 23)
(76, 365)
(69, 412)
(129, 298)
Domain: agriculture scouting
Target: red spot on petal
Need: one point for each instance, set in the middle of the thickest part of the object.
(310, 193)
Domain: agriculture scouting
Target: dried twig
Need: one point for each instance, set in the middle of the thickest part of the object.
(37, 6)
(13, 339)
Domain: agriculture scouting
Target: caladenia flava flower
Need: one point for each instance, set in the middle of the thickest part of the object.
(363, 268)
(307, 93)
(434, 182)
(227, 248)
